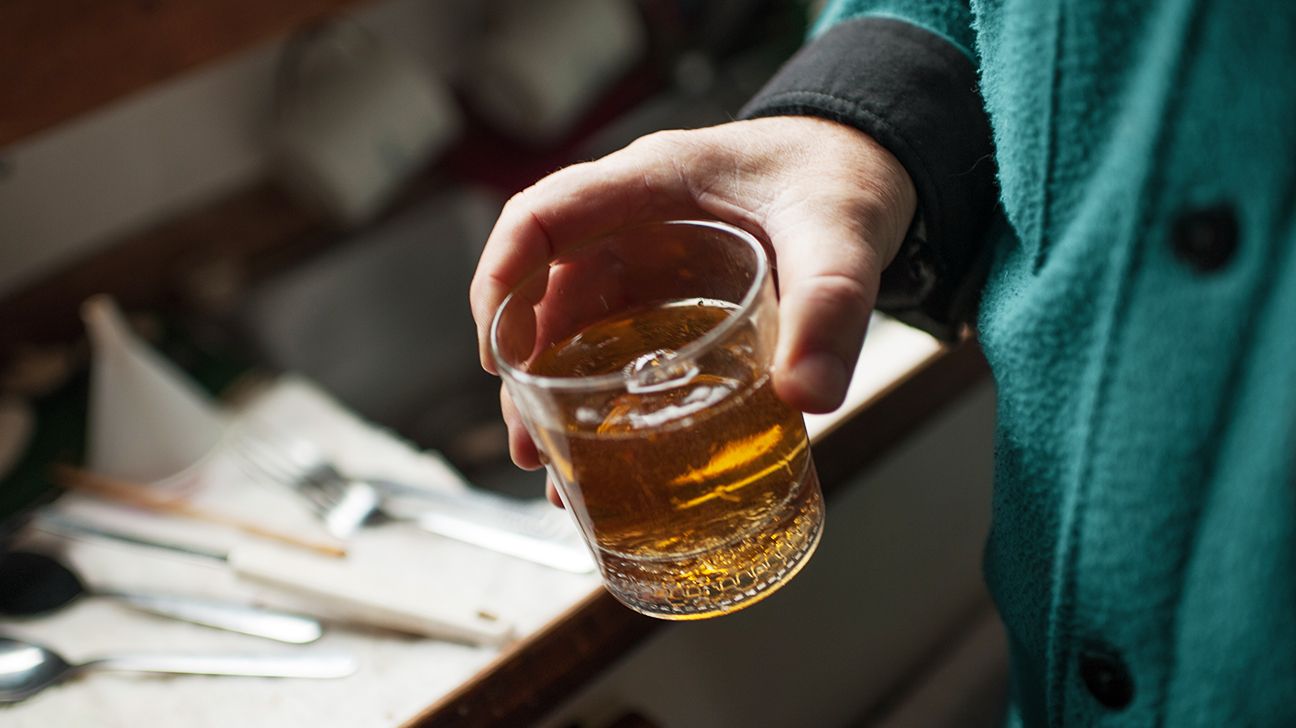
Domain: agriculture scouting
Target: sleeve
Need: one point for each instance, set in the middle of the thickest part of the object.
(903, 71)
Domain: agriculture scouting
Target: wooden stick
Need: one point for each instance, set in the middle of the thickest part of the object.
(138, 496)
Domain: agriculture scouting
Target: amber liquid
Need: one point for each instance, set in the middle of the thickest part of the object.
(695, 487)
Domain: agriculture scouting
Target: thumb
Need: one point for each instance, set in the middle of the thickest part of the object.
(829, 266)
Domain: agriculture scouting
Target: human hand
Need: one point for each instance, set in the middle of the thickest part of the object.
(831, 203)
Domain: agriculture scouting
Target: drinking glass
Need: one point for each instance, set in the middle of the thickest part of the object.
(640, 364)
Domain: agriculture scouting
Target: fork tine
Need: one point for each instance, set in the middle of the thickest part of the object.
(278, 465)
(263, 460)
(267, 458)
(257, 470)
(343, 504)
(288, 457)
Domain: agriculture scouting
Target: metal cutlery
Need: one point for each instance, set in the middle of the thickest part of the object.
(535, 532)
(36, 584)
(375, 599)
(27, 668)
(343, 504)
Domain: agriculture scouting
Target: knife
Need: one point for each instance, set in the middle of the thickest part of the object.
(363, 597)
(532, 530)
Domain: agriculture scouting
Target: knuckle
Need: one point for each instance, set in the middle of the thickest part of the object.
(477, 286)
(480, 294)
(657, 139)
(476, 306)
(666, 143)
(840, 291)
(882, 202)
(519, 200)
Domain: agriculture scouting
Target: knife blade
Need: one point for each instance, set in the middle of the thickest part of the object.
(530, 530)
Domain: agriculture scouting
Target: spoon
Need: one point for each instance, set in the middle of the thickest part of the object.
(27, 668)
(36, 584)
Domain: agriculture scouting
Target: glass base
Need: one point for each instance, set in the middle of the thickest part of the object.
(725, 579)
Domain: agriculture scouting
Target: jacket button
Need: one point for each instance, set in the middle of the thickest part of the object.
(1106, 677)
(1206, 238)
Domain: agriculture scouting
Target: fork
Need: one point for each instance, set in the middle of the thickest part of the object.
(346, 503)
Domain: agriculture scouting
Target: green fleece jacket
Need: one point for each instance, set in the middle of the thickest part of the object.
(1135, 260)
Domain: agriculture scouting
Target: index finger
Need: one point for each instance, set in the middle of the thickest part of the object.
(565, 209)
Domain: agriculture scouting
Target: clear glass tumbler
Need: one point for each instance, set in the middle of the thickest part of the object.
(640, 363)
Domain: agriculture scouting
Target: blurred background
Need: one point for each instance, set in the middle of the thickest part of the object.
(280, 185)
(305, 185)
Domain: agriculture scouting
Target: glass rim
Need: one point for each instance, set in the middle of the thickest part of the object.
(689, 350)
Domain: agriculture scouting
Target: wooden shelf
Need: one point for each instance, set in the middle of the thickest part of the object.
(63, 58)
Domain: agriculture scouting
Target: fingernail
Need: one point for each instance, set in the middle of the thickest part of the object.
(821, 375)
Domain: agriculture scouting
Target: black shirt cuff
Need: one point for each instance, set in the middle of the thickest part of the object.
(916, 94)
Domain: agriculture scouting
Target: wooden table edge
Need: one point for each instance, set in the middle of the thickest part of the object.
(533, 676)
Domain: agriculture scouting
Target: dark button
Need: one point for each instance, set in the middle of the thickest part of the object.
(1206, 238)
(1105, 675)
